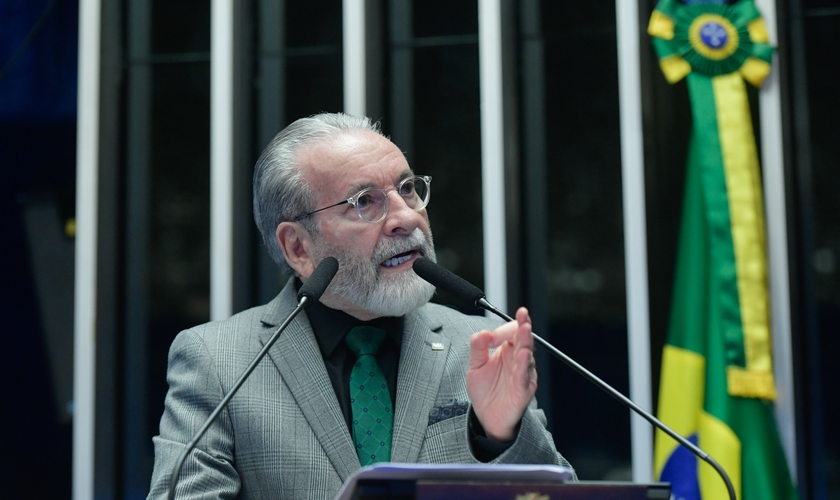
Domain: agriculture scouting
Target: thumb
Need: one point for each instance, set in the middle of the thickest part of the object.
(480, 348)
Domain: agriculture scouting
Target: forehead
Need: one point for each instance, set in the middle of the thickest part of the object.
(343, 164)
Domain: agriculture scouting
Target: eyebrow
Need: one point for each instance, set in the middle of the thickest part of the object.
(367, 185)
(352, 190)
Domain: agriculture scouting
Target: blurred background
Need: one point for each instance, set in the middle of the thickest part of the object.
(563, 211)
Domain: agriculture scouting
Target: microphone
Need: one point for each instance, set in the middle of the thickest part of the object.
(318, 281)
(309, 292)
(465, 291)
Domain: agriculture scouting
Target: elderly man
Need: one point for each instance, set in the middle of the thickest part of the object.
(372, 373)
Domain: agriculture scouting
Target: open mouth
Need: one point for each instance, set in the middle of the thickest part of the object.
(398, 259)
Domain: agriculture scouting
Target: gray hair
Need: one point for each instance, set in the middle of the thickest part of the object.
(280, 191)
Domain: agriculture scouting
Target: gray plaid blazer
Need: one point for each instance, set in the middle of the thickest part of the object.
(283, 436)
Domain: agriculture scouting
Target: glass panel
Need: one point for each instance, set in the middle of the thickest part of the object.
(166, 211)
(821, 30)
(445, 17)
(179, 257)
(178, 218)
(577, 287)
(314, 84)
(299, 73)
(433, 115)
(38, 82)
(447, 146)
(812, 5)
(313, 22)
(179, 27)
(584, 165)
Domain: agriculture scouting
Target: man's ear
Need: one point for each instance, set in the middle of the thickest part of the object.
(295, 242)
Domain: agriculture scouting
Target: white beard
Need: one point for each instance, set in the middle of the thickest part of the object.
(360, 281)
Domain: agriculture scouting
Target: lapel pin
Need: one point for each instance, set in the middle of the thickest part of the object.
(437, 346)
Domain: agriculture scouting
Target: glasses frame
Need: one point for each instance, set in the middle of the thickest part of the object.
(353, 200)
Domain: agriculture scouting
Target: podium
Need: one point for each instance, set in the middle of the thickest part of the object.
(488, 482)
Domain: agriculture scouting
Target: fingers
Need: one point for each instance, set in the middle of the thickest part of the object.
(512, 340)
(525, 361)
(480, 344)
(524, 339)
(524, 344)
(506, 332)
(517, 332)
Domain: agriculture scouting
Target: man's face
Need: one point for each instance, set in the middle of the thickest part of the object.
(375, 276)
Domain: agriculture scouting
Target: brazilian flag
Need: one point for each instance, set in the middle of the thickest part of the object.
(717, 387)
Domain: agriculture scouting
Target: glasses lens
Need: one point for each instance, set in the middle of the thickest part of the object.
(370, 205)
(415, 192)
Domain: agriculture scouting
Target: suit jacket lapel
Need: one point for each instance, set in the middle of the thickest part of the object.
(297, 357)
(420, 374)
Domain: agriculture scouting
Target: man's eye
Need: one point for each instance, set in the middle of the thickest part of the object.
(407, 188)
(365, 200)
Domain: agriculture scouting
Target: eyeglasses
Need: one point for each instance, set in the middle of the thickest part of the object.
(372, 203)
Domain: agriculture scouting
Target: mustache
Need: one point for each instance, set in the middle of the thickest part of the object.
(387, 248)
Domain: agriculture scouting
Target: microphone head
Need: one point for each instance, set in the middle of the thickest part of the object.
(447, 281)
(318, 281)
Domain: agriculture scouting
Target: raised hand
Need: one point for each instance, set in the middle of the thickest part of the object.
(502, 384)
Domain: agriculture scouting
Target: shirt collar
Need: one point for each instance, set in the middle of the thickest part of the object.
(331, 326)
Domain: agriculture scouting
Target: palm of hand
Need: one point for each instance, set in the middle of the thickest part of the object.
(502, 384)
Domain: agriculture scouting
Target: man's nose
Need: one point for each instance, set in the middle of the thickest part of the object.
(401, 218)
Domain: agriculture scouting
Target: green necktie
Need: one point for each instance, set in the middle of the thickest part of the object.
(370, 400)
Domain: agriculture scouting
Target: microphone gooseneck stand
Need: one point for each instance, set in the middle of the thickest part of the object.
(467, 292)
(309, 292)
